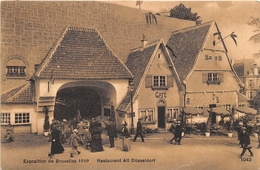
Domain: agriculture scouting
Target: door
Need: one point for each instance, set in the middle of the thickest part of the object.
(161, 117)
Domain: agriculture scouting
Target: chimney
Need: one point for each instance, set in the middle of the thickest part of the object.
(255, 70)
(143, 41)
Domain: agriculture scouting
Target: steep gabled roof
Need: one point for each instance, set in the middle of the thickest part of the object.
(138, 62)
(23, 94)
(81, 53)
(186, 44)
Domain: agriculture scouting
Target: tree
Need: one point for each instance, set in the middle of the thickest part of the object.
(182, 12)
(255, 22)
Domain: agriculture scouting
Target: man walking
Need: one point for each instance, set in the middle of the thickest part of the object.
(111, 131)
(139, 130)
(245, 142)
(178, 133)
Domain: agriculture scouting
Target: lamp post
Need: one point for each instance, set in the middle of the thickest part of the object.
(131, 88)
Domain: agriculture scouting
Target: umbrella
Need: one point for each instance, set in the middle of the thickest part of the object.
(246, 110)
(219, 111)
(192, 111)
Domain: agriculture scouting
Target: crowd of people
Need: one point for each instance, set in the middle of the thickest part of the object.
(85, 133)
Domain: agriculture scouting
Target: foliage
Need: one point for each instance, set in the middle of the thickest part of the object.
(150, 18)
(255, 22)
(182, 12)
(46, 125)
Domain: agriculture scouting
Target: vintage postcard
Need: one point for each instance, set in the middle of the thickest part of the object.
(130, 85)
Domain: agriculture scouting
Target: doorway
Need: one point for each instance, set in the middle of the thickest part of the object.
(161, 117)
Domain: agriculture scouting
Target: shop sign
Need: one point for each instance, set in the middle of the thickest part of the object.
(160, 94)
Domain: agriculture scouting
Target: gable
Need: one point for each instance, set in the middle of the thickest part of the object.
(82, 53)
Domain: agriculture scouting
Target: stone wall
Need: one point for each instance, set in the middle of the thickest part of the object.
(30, 28)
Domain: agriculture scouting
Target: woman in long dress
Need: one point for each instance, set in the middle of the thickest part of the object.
(56, 146)
(125, 139)
(96, 143)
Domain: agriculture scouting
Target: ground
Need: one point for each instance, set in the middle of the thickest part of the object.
(196, 152)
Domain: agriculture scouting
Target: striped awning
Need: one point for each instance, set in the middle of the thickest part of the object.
(246, 110)
(192, 111)
(219, 111)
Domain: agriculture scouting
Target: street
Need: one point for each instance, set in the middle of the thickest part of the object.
(193, 153)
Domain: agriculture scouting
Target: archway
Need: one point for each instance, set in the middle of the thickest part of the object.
(81, 100)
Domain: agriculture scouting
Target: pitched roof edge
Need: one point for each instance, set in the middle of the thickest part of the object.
(9, 99)
(146, 46)
(50, 53)
(198, 54)
(194, 27)
(109, 49)
(157, 43)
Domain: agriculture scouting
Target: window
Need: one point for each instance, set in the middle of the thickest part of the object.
(172, 113)
(220, 58)
(216, 57)
(147, 114)
(188, 101)
(159, 81)
(213, 78)
(250, 95)
(5, 118)
(22, 118)
(208, 57)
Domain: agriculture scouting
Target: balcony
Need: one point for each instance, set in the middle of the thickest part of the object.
(214, 82)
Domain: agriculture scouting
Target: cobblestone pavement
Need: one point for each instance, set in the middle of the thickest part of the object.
(196, 152)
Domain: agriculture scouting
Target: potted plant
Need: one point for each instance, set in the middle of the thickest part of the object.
(208, 125)
(46, 125)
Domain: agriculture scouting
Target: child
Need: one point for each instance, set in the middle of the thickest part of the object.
(74, 142)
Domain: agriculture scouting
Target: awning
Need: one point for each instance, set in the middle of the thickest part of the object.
(192, 111)
(219, 111)
(246, 110)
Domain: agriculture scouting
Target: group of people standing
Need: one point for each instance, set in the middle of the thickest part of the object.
(177, 132)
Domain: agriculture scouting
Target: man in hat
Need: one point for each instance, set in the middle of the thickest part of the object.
(139, 130)
(245, 142)
(178, 133)
(111, 131)
(63, 130)
(173, 129)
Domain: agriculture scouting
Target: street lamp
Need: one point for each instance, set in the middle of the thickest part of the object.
(131, 88)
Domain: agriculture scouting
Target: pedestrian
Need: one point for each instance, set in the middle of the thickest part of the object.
(178, 133)
(240, 134)
(125, 137)
(56, 146)
(96, 131)
(139, 130)
(87, 138)
(257, 131)
(73, 140)
(111, 131)
(245, 142)
(173, 129)
(81, 126)
(73, 124)
(9, 136)
(63, 130)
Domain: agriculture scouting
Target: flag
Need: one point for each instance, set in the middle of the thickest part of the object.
(233, 36)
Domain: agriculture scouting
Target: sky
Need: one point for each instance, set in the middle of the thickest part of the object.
(231, 16)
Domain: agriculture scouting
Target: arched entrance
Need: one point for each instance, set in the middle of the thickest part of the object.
(77, 101)
(85, 100)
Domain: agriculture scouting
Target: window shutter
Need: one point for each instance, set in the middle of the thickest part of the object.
(169, 81)
(148, 81)
(204, 77)
(221, 77)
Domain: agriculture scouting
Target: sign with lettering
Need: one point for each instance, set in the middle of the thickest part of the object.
(160, 94)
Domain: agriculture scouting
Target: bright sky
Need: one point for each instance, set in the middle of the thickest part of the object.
(229, 15)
